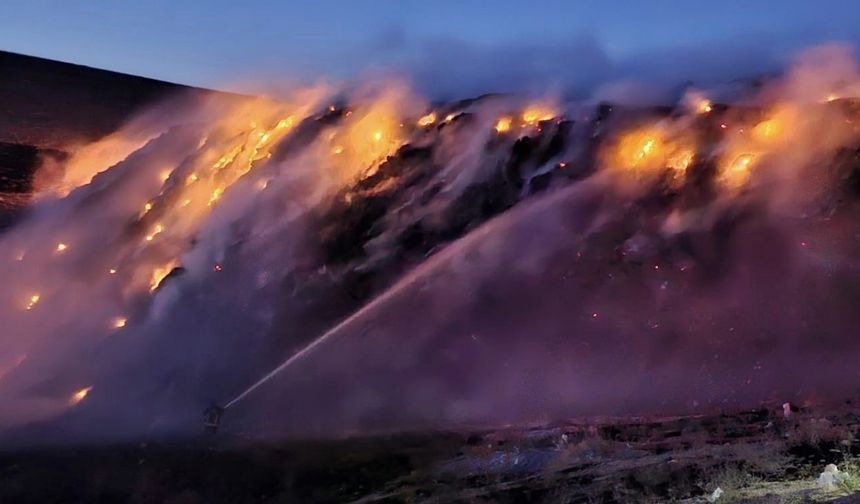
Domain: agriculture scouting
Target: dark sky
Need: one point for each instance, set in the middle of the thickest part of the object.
(220, 43)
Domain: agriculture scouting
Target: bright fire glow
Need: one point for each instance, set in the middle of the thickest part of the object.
(79, 395)
(767, 130)
(61, 247)
(638, 149)
(119, 322)
(681, 160)
(32, 301)
(649, 149)
(215, 195)
(156, 230)
(535, 114)
(427, 120)
(159, 274)
(503, 125)
(737, 172)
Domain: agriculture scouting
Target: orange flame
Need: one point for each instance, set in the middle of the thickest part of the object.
(503, 125)
(79, 395)
(32, 301)
(427, 120)
(536, 113)
(159, 274)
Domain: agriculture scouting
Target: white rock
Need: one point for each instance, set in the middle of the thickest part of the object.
(831, 477)
(715, 495)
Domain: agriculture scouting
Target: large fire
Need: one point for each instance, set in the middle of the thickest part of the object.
(536, 113)
(224, 209)
(650, 150)
(503, 125)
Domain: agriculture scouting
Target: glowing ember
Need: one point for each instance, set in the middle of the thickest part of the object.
(112, 271)
(337, 150)
(503, 125)
(61, 247)
(156, 230)
(191, 178)
(698, 103)
(427, 120)
(227, 158)
(119, 322)
(32, 301)
(215, 195)
(164, 175)
(80, 395)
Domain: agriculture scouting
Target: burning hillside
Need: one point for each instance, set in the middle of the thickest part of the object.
(360, 260)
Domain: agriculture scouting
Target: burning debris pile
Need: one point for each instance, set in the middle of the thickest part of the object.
(703, 246)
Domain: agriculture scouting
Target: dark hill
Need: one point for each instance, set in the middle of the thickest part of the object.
(47, 106)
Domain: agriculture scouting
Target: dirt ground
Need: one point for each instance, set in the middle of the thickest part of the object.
(754, 456)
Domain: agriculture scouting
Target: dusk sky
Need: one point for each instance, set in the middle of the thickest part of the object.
(227, 43)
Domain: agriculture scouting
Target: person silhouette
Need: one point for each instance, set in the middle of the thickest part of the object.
(212, 416)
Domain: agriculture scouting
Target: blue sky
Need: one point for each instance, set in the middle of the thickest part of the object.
(219, 43)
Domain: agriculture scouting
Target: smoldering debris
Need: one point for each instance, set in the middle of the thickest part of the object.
(494, 260)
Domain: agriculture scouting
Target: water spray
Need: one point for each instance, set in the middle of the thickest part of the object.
(478, 234)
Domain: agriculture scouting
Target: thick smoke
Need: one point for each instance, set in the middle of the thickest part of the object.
(486, 261)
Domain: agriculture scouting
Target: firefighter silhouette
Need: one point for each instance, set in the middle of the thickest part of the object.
(212, 416)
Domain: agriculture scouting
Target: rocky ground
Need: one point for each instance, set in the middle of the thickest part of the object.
(752, 456)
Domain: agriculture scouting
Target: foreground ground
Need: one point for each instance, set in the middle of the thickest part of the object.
(754, 456)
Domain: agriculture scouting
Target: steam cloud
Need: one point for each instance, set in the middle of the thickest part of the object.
(651, 262)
